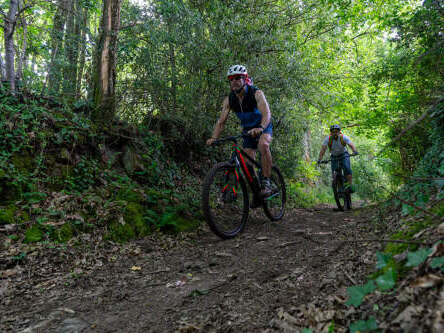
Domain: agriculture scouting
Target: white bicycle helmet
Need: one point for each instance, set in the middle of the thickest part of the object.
(237, 70)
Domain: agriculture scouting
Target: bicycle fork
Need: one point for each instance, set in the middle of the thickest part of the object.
(229, 191)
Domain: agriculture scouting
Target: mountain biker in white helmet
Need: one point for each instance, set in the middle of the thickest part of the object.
(250, 106)
(337, 143)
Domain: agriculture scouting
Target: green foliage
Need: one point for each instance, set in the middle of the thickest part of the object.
(387, 280)
(19, 258)
(438, 263)
(133, 214)
(7, 215)
(364, 325)
(356, 294)
(409, 230)
(306, 171)
(33, 234)
(120, 231)
(64, 233)
(383, 259)
(418, 257)
(373, 65)
(304, 195)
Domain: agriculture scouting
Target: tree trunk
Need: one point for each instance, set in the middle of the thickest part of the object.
(21, 60)
(9, 28)
(82, 55)
(72, 42)
(2, 69)
(306, 144)
(56, 46)
(33, 63)
(104, 78)
(172, 57)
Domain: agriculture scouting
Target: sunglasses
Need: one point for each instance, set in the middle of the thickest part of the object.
(235, 77)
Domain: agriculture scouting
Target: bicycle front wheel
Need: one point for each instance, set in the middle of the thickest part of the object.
(349, 200)
(274, 205)
(339, 193)
(225, 201)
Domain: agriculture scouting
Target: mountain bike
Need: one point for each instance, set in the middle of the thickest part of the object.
(342, 195)
(225, 196)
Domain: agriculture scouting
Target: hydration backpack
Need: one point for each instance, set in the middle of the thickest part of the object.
(330, 140)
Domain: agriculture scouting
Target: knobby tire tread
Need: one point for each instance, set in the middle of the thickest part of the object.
(335, 183)
(209, 218)
(267, 211)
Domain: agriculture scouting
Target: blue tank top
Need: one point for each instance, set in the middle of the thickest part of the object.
(247, 112)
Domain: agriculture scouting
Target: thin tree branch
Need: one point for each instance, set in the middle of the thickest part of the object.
(413, 124)
(308, 37)
(416, 207)
(359, 35)
(418, 178)
(22, 10)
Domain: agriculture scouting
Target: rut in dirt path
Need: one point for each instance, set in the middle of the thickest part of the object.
(203, 284)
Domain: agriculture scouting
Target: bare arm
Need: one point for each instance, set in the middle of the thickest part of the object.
(220, 124)
(352, 146)
(322, 152)
(263, 107)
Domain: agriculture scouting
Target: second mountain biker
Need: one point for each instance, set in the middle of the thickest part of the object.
(337, 143)
(249, 104)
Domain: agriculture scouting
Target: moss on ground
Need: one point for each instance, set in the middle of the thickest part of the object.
(64, 233)
(23, 162)
(7, 215)
(134, 217)
(33, 234)
(412, 228)
(120, 232)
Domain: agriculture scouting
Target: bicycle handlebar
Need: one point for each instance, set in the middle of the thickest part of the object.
(233, 138)
(336, 159)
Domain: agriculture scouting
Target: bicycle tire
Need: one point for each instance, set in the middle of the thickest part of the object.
(349, 201)
(274, 205)
(222, 208)
(340, 198)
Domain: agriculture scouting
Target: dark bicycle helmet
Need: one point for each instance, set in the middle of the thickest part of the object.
(333, 127)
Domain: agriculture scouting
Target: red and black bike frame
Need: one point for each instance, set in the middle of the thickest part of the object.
(242, 168)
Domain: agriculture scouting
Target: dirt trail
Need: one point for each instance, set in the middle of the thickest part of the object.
(195, 284)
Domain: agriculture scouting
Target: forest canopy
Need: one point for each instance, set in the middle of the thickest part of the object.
(374, 67)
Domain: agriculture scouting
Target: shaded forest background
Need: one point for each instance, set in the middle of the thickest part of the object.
(119, 96)
(105, 107)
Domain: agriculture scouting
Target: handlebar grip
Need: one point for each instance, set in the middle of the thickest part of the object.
(217, 143)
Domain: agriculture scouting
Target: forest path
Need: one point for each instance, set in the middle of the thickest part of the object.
(197, 283)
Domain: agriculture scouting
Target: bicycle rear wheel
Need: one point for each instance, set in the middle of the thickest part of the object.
(225, 201)
(274, 204)
(339, 193)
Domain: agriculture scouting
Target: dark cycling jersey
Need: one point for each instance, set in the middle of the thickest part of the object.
(247, 112)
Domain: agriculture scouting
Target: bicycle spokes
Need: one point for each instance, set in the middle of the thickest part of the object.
(225, 201)
(275, 202)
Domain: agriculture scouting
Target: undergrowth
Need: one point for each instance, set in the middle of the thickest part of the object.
(61, 176)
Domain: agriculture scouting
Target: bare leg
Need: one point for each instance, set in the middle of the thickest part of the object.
(264, 148)
(251, 153)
